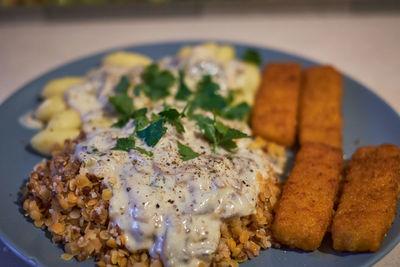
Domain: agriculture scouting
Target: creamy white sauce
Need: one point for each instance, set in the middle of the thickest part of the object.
(28, 120)
(172, 207)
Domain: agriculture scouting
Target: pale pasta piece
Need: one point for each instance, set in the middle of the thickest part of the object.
(253, 80)
(50, 107)
(67, 119)
(126, 59)
(57, 87)
(225, 53)
(211, 47)
(220, 53)
(45, 141)
(185, 51)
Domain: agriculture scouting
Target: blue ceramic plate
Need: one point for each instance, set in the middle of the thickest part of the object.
(367, 121)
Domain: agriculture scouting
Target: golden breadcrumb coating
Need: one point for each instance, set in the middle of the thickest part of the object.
(304, 212)
(320, 107)
(275, 109)
(369, 200)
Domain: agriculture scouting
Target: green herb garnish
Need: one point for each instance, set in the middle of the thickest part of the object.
(206, 96)
(123, 85)
(238, 112)
(252, 56)
(128, 143)
(125, 144)
(140, 119)
(156, 82)
(183, 90)
(122, 103)
(172, 116)
(218, 133)
(186, 152)
(152, 133)
(144, 151)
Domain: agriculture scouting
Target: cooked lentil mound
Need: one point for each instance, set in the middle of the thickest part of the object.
(74, 208)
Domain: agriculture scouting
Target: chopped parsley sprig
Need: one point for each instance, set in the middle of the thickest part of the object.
(155, 85)
(152, 133)
(207, 96)
(252, 56)
(156, 82)
(128, 143)
(186, 152)
(238, 112)
(218, 133)
(183, 90)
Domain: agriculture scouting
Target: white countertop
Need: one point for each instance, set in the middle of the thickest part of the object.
(366, 47)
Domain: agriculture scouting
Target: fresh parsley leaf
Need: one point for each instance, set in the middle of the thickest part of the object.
(128, 143)
(183, 91)
(122, 121)
(206, 96)
(139, 113)
(144, 151)
(172, 116)
(226, 140)
(141, 122)
(252, 56)
(218, 133)
(123, 85)
(155, 117)
(186, 152)
(140, 119)
(152, 133)
(156, 82)
(238, 112)
(122, 103)
(125, 144)
(207, 127)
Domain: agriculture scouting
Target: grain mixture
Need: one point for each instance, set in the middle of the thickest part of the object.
(74, 209)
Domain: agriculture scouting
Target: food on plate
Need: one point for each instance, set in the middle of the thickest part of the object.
(164, 172)
(305, 210)
(275, 109)
(67, 119)
(57, 87)
(45, 140)
(126, 59)
(238, 81)
(50, 107)
(369, 200)
(320, 107)
(154, 163)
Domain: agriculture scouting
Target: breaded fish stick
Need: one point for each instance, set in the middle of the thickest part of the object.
(368, 203)
(305, 209)
(320, 107)
(276, 105)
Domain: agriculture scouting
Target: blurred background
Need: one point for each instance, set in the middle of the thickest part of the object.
(85, 9)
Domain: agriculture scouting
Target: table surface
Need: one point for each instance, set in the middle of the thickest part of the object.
(366, 47)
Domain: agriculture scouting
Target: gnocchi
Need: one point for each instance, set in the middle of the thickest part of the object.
(253, 80)
(66, 119)
(45, 141)
(221, 53)
(57, 87)
(225, 53)
(50, 107)
(126, 59)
